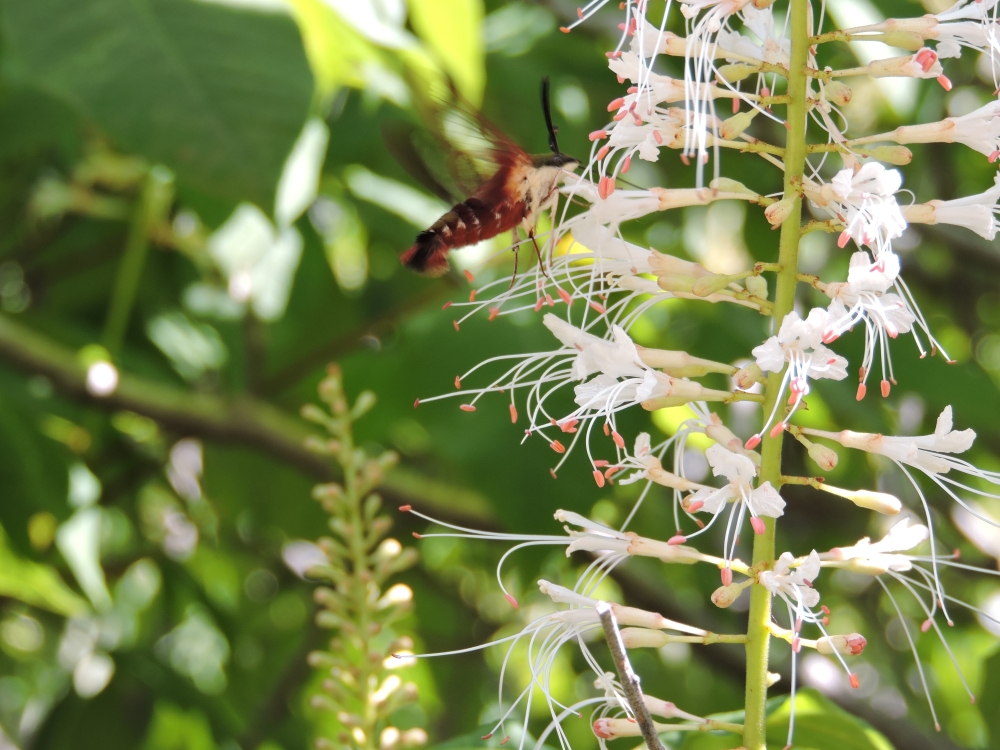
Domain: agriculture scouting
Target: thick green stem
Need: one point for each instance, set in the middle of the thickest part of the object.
(154, 200)
(758, 633)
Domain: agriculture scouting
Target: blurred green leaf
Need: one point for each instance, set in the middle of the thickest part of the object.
(173, 728)
(216, 94)
(453, 31)
(820, 724)
(35, 584)
(337, 53)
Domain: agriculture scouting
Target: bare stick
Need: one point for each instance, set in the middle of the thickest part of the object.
(628, 678)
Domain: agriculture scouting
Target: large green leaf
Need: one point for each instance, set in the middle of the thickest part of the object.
(820, 724)
(216, 94)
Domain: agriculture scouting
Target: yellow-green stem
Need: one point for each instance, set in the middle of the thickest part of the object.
(758, 633)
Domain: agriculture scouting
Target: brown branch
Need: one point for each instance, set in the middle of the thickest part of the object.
(242, 420)
(628, 678)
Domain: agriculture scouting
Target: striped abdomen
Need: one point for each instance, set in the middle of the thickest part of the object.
(469, 222)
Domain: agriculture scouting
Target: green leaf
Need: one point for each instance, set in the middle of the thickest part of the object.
(173, 728)
(337, 53)
(35, 584)
(218, 95)
(453, 31)
(820, 724)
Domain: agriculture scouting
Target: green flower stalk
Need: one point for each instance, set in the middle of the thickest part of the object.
(359, 668)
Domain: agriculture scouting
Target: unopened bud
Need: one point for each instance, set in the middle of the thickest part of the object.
(757, 286)
(735, 125)
(881, 502)
(776, 213)
(643, 638)
(724, 596)
(747, 376)
(672, 282)
(735, 72)
(824, 456)
(851, 644)
(707, 285)
(897, 155)
(838, 93)
(908, 40)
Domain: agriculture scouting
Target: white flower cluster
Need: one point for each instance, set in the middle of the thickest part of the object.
(594, 286)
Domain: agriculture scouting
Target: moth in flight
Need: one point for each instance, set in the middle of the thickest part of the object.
(520, 188)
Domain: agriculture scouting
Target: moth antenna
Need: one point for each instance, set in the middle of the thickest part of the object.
(546, 108)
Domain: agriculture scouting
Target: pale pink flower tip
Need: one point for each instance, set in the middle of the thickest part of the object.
(727, 576)
(925, 626)
(855, 683)
(619, 440)
(467, 407)
(601, 729)
(598, 135)
(564, 296)
(777, 429)
(512, 600)
(862, 390)
(752, 443)
(469, 276)
(557, 446)
(494, 311)
(513, 414)
(416, 403)
(599, 477)
(677, 539)
(758, 525)
(885, 388)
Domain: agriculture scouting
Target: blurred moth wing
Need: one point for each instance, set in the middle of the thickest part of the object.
(506, 186)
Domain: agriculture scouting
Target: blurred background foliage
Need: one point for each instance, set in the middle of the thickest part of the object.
(197, 192)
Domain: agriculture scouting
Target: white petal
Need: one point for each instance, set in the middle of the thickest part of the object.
(766, 501)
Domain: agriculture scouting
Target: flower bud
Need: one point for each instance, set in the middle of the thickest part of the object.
(724, 596)
(681, 364)
(897, 155)
(881, 502)
(735, 125)
(643, 638)
(747, 376)
(838, 93)
(757, 286)
(672, 282)
(735, 72)
(851, 644)
(708, 285)
(824, 456)
(776, 213)
(908, 40)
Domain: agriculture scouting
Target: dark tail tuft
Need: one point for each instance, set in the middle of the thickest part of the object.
(428, 255)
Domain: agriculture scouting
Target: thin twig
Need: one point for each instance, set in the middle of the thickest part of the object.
(628, 678)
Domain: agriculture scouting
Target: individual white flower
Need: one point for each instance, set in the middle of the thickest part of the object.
(771, 45)
(793, 583)
(758, 501)
(799, 344)
(868, 205)
(979, 130)
(863, 299)
(882, 556)
(617, 359)
(977, 213)
(925, 452)
(968, 23)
